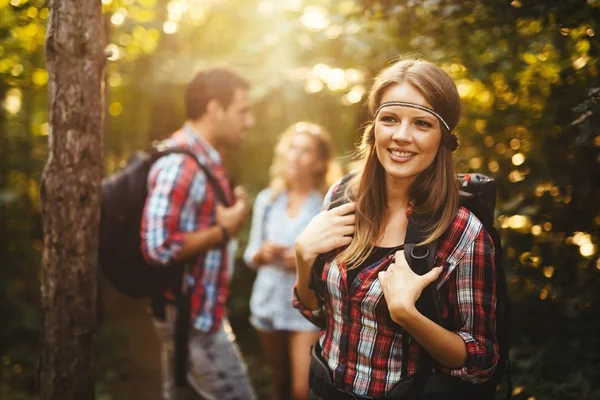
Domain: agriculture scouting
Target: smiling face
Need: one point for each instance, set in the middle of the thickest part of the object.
(406, 139)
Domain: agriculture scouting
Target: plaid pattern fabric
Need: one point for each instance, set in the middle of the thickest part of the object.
(180, 200)
(363, 346)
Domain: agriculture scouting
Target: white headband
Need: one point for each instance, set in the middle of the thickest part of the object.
(413, 105)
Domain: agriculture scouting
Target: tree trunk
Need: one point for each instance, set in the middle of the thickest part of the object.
(71, 195)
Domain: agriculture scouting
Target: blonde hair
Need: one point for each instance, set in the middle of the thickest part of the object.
(326, 152)
(435, 193)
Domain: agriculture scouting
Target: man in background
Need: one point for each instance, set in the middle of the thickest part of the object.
(184, 221)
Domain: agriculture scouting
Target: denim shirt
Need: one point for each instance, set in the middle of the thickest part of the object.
(272, 293)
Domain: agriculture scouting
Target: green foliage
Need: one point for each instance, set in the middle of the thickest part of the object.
(527, 72)
(21, 83)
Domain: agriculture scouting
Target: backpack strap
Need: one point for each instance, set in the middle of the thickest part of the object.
(338, 198)
(420, 258)
(212, 181)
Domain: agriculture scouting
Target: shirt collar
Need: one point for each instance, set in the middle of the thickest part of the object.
(213, 154)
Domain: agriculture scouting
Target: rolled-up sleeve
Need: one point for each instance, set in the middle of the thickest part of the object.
(475, 290)
(257, 229)
(175, 188)
(317, 317)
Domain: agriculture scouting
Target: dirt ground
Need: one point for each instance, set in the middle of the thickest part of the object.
(139, 358)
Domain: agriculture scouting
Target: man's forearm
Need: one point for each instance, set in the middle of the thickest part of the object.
(195, 242)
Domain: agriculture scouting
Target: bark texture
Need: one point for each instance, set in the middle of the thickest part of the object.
(71, 195)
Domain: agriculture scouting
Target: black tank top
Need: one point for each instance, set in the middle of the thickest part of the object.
(377, 254)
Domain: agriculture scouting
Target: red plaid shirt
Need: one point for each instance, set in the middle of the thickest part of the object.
(180, 200)
(363, 346)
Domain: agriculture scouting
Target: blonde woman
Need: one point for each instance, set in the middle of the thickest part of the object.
(302, 171)
(369, 293)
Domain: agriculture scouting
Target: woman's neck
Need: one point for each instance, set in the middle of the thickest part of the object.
(398, 194)
(397, 202)
(300, 188)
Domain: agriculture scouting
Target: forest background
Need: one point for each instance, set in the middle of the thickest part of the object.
(528, 75)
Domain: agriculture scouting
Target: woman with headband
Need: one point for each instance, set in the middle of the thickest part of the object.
(368, 304)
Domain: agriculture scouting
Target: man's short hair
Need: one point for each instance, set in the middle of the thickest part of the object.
(215, 83)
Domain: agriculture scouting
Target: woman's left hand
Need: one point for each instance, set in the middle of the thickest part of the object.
(402, 287)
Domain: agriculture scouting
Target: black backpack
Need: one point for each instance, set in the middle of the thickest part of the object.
(478, 195)
(120, 255)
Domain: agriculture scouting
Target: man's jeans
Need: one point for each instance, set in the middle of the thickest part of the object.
(216, 370)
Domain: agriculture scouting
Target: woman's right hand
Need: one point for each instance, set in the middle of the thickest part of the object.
(268, 253)
(327, 231)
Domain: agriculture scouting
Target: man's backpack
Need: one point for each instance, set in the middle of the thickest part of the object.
(478, 195)
(120, 254)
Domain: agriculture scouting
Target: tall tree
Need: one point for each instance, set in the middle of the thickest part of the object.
(71, 194)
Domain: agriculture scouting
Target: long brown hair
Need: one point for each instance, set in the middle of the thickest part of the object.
(435, 192)
(326, 151)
